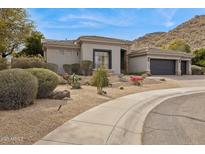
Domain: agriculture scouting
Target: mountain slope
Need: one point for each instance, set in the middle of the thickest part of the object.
(192, 31)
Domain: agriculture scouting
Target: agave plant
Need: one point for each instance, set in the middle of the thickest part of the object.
(75, 81)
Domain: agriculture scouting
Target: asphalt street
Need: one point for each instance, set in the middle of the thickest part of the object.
(177, 121)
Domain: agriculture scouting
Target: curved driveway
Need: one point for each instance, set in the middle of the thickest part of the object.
(179, 120)
(119, 121)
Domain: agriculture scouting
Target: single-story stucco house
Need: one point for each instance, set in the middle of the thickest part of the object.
(116, 55)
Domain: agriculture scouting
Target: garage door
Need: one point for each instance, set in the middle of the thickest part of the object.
(183, 67)
(162, 67)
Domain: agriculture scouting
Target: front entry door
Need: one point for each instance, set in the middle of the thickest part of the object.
(102, 58)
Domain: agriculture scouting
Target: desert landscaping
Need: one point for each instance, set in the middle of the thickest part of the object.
(28, 125)
(45, 82)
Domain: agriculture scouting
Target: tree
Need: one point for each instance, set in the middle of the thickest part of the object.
(178, 45)
(33, 45)
(199, 57)
(15, 27)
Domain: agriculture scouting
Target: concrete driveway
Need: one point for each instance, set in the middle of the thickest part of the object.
(119, 121)
(179, 120)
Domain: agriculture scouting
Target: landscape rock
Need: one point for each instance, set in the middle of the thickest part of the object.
(60, 94)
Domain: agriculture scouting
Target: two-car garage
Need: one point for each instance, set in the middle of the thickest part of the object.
(160, 62)
(162, 67)
(166, 67)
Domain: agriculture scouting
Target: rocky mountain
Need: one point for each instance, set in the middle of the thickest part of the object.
(192, 31)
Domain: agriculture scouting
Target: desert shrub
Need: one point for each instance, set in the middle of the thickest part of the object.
(52, 67)
(3, 63)
(100, 79)
(74, 81)
(197, 70)
(47, 81)
(28, 62)
(178, 45)
(199, 57)
(67, 68)
(137, 80)
(86, 67)
(75, 68)
(18, 88)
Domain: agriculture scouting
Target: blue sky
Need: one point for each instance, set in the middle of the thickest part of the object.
(118, 23)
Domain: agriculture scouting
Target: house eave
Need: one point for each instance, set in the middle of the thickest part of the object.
(103, 40)
(159, 52)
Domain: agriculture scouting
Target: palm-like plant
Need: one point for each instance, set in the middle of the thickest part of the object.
(100, 79)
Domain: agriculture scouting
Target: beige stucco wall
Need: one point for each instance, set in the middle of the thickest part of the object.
(137, 64)
(87, 53)
(62, 56)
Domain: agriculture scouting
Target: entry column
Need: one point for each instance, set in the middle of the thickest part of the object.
(148, 65)
(178, 67)
(188, 65)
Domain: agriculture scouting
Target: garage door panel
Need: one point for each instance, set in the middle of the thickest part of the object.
(162, 67)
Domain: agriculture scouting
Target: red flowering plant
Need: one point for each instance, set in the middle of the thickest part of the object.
(137, 80)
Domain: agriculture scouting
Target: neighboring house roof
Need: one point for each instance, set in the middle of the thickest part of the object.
(60, 43)
(101, 39)
(158, 52)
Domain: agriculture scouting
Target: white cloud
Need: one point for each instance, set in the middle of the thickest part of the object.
(169, 23)
(116, 20)
(50, 25)
(167, 15)
(43, 23)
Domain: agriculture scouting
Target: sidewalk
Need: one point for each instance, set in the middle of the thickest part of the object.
(119, 121)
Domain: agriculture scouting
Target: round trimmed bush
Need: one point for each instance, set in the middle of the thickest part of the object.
(27, 62)
(86, 67)
(75, 68)
(47, 81)
(18, 89)
(53, 67)
(67, 68)
(197, 70)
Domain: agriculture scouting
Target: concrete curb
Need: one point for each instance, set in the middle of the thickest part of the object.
(118, 121)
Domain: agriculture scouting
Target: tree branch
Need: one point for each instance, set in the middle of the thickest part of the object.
(4, 54)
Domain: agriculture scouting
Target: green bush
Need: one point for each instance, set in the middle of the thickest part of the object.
(28, 62)
(197, 70)
(67, 68)
(3, 63)
(52, 67)
(75, 68)
(178, 45)
(47, 81)
(18, 89)
(86, 67)
(100, 79)
(199, 57)
(75, 81)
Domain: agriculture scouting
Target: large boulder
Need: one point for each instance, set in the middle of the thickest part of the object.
(60, 94)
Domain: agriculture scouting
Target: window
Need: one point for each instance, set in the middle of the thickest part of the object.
(102, 58)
